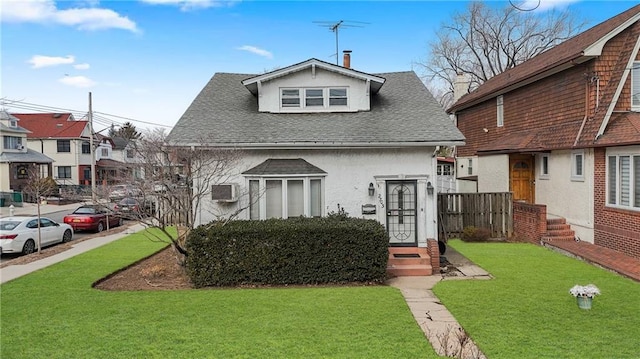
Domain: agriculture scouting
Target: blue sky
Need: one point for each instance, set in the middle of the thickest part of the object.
(147, 60)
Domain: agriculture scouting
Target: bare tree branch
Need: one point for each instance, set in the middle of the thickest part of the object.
(483, 42)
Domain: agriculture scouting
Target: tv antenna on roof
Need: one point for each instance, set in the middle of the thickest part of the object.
(336, 25)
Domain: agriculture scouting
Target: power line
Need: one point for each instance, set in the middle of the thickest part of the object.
(76, 113)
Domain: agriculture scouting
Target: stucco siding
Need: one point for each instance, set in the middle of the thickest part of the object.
(567, 197)
(493, 173)
(346, 183)
(5, 177)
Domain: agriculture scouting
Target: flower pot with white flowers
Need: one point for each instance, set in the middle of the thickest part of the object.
(584, 294)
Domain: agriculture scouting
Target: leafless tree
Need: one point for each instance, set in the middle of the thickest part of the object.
(485, 41)
(173, 182)
(39, 187)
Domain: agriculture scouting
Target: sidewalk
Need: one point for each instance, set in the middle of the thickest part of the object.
(14, 271)
(32, 209)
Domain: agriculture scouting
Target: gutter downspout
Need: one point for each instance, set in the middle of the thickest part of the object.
(586, 113)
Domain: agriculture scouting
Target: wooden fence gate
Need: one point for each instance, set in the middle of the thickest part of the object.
(493, 211)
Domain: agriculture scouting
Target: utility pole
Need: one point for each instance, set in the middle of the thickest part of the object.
(93, 153)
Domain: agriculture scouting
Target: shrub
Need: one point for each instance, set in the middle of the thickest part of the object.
(288, 251)
(475, 234)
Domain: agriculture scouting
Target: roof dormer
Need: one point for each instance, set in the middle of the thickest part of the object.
(314, 86)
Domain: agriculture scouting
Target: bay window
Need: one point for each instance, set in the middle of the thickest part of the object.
(285, 197)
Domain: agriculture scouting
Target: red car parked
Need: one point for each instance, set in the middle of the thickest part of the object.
(92, 218)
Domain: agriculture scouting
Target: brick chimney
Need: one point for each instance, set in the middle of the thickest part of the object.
(346, 60)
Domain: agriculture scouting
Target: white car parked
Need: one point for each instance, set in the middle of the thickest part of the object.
(19, 234)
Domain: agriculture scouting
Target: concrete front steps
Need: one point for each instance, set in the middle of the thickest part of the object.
(408, 261)
(558, 230)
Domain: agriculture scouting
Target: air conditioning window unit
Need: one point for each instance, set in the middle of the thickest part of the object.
(226, 192)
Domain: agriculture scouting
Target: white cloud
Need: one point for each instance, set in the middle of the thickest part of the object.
(40, 61)
(77, 81)
(256, 50)
(544, 5)
(46, 12)
(186, 5)
(81, 66)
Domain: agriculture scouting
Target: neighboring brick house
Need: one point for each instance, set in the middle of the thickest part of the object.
(563, 130)
(317, 137)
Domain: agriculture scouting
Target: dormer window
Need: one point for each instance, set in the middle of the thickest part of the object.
(337, 97)
(314, 98)
(290, 98)
(13, 123)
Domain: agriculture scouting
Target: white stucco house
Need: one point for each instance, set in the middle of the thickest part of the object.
(317, 138)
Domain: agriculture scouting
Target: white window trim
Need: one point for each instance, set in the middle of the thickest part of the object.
(302, 96)
(500, 111)
(632, 179)
(574, 157)
(262, 189)
(542, 174)
(635, 86)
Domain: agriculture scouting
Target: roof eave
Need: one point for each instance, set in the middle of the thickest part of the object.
(322, 145)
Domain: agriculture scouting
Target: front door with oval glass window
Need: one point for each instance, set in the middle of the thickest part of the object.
(401, 213)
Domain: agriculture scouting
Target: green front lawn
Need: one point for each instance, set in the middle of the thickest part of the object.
(54, 313)
(527, 311)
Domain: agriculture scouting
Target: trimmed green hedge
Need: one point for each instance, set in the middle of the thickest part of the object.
(288, 251)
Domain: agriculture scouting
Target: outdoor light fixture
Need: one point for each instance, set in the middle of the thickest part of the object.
(429, 188)
(372, 190)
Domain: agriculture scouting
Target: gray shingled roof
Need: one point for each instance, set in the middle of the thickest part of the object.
(284, 167)
(225, 113)
(30, 156)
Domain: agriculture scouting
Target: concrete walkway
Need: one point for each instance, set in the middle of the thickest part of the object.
(11, 272)
(439, 325)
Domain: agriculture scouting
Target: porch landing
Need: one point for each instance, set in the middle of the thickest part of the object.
(409, 261)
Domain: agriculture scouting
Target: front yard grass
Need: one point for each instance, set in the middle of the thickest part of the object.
(55, 313)
(527, 311)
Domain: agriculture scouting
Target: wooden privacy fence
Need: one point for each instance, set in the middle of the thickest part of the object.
(493, 211)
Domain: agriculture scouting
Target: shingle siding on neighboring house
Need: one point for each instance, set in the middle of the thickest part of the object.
(571, 100)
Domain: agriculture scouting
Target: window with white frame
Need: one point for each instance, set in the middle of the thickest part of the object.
(104, 152)
(11, 142)
(314, 98)
(290, 98)
(64, 145)
(445, 169)
(13, 123)
(86, 147)
(544, 166)
(500, 110)
(470, 167)
(285, 197)
(623, 181)
(635, 86)
(64, 172)
(577, 166)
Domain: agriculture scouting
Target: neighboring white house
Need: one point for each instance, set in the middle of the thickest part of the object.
(318, 138)
(15, 157)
